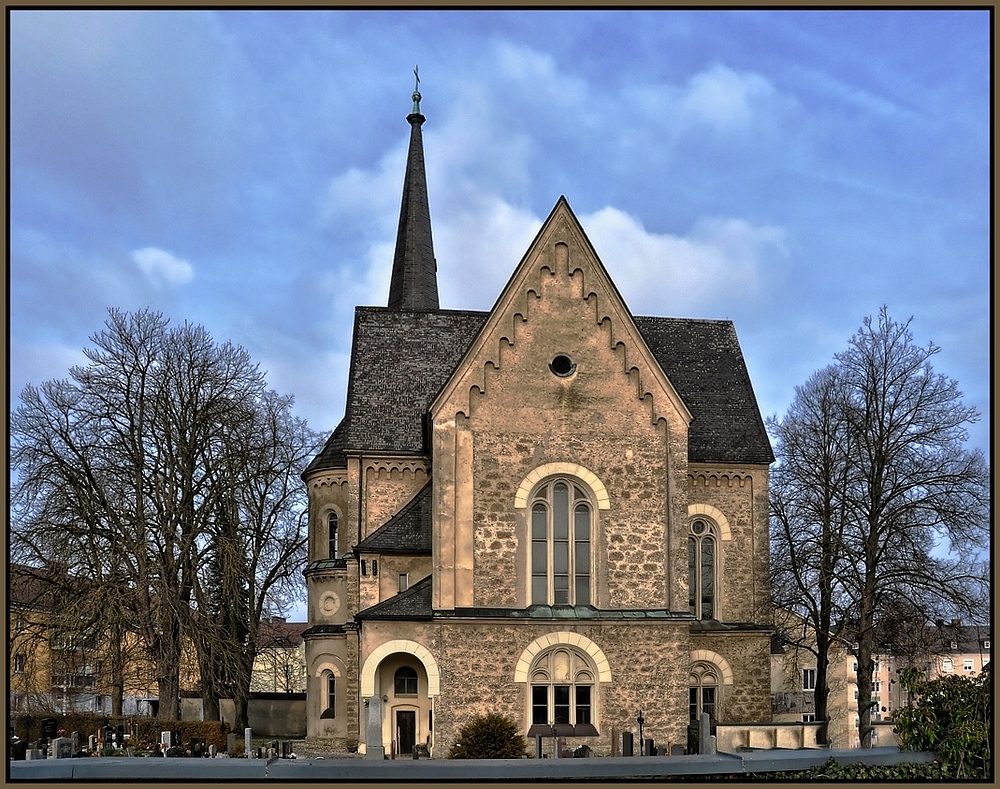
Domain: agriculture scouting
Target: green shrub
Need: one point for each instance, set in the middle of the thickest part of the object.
(489, 736)
(952, 716)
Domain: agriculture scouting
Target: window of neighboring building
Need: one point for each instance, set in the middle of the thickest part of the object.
(986, 645)
(702, 543)
(856, 694)
(403, 583)
(947, 665)
(954, 645)
(877, 686)
(331, 531)
(968, 665)
(808, 679)
(329, 691)
(808, 717)
(562, 689)
(854, 667)
(19, 661)
(561, 538)
(405, 681)
(703, 691)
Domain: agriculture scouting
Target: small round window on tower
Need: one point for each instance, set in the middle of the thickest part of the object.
(562, 366)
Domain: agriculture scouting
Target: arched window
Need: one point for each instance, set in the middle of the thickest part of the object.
(562, 694)
(561, 538)
(329, 694)
(702, 544)
(331, 530)
(703, 690)
(405, 681)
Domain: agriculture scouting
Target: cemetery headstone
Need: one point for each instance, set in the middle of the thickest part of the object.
(677, 750)
(75, 738)
(49, 728)
(248, 742)
(650, 750)
(212, 751)
(165, 740)
(373, 730)
(627, 743)
(62, 748)
(616, 748)
(230, 742)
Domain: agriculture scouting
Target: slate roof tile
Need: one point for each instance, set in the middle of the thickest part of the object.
(414, 603)
(401, 360)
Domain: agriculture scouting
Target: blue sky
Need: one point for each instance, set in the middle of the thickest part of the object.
(789, 170)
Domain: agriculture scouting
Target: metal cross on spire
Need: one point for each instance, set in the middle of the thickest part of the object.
(416, 90)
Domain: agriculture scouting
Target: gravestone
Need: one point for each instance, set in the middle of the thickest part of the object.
(677, 750)
(616, 749)
(538, 746)
(248, 742)
(62, 748)
(212, 751)
(49, 728)
(374, 749)
(32, 753)
(230, 742)
(705, 732)
(627, 743)
(197, 746)
(75, 738)
(166, 738)
(92, 742)
(650, 750)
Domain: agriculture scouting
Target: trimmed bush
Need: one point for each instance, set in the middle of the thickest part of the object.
(489, 736)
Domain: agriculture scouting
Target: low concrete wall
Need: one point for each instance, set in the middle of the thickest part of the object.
(735, 737)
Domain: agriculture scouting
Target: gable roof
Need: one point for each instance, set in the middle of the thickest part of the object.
(401, 360)
(408, 531)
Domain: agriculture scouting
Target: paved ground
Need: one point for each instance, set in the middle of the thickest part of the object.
(408, 770)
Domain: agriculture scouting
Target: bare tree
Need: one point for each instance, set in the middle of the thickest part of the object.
(807, 525)
(913, 485)
(874, 487)
(121, 472)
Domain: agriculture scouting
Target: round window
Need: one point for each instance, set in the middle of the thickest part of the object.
(562, 366)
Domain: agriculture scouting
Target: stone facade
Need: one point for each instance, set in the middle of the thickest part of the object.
(529, 502)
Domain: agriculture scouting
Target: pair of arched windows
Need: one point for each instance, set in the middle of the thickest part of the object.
(562, 527)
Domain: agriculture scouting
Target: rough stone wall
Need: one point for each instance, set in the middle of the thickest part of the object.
(477, 663)
(390, 566)
(388, 485)
(613, 415)
(748, 698)
(329, 490)
(736, 492)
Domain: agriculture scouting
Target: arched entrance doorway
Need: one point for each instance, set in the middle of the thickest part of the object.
(404, 677)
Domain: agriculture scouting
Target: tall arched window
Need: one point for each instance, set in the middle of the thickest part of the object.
(561, 538)
(703, 690)
(702, 544)
(562, 694)
(329, 698)
(331, 531)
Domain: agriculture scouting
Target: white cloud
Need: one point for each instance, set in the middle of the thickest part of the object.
(664, 274)
(161, 268)
(723, 97)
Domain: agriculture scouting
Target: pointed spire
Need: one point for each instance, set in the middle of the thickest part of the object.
(414, 271)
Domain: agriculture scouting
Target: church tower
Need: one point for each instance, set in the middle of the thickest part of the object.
(414, 271)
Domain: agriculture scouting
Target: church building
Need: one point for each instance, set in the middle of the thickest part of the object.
(555, 510)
